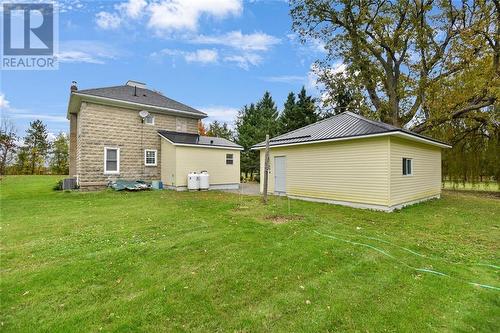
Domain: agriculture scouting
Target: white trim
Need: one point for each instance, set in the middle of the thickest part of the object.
(395, 133)
(106, 172)
(99, 98)
(411, 167)
(198, 146)
(151, 117)
(383, 208)
(156, 157)
(232, 159)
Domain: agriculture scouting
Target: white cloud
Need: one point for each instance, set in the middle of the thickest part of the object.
(87, 51)
(108, 21)
(257, 41)
(244, 60)
(285, 79)
(133, 8)
(170, 15)
(220, 113)
(4, 103)
(204, 56)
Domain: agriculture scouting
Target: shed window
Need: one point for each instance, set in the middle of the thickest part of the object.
(150, 157)
(229, 158)
(149, 120)
(407, 166)
(111, 160)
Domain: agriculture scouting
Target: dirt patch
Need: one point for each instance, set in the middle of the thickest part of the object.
(282, 219)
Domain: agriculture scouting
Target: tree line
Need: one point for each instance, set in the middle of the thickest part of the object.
(255, 120)
(35, 154)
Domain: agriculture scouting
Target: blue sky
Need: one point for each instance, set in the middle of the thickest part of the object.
(214, 55)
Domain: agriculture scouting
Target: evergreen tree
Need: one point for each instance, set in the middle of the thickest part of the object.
(287, 117)
(36, 146)
(297, 114)
(220, 130)
(59, 163)
(252, 125)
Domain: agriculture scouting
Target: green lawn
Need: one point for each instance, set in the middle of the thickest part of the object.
(211, 261)
(468, 186)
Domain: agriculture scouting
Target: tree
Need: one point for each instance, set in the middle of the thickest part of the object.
(21, 165)
(59, 163)
(252, 125)
(36, 146)
(298, 113)
(201, 128)
(405, 52)
(220, 130)
(8, 145)
(341, 93)
(430, 66)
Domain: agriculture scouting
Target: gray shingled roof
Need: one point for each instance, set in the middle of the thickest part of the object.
(195, 139)
(343, 125)
(142, 96)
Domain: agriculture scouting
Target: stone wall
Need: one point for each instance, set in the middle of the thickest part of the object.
(102, 126)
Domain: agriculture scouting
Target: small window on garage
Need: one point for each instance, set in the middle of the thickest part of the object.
(111, 160)
(149, 120)
(407, 166)
(150, 157)
(229, 158)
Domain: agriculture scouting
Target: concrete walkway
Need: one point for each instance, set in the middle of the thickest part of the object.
(247, 189)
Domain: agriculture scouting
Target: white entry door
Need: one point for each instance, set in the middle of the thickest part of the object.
(280, 174)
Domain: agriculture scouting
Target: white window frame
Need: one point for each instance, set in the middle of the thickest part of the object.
(231, 159)
(156, 157)
(150, 116)
(112, 172)
(406, 159)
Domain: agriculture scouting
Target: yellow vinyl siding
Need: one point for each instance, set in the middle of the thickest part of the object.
(353, 170)
(168, 157)
(426, 178)
(212, 160)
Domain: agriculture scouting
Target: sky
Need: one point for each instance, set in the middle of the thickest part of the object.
(213, 55)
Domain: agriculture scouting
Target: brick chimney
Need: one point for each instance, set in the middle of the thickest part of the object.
(73, 86)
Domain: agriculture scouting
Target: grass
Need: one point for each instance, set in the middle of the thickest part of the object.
(212, 261)
(468, 186)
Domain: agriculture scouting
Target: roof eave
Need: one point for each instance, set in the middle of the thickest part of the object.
(198, 145)
(394, 133)
(118, 102)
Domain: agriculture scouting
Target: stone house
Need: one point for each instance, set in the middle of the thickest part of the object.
(132, 132)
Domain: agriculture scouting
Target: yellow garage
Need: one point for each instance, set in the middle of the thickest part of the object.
(351, 160)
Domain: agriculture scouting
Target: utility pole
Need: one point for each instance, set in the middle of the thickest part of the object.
(266, 170)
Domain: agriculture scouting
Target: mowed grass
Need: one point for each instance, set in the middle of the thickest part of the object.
(468, 186)
(212, 261)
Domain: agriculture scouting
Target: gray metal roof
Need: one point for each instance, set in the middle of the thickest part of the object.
(140, 95)
(195, 139)
(343, 125)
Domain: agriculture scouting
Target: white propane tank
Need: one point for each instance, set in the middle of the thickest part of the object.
(204, 180)
(193, 181)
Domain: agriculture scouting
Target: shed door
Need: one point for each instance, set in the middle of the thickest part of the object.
(280, 174)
